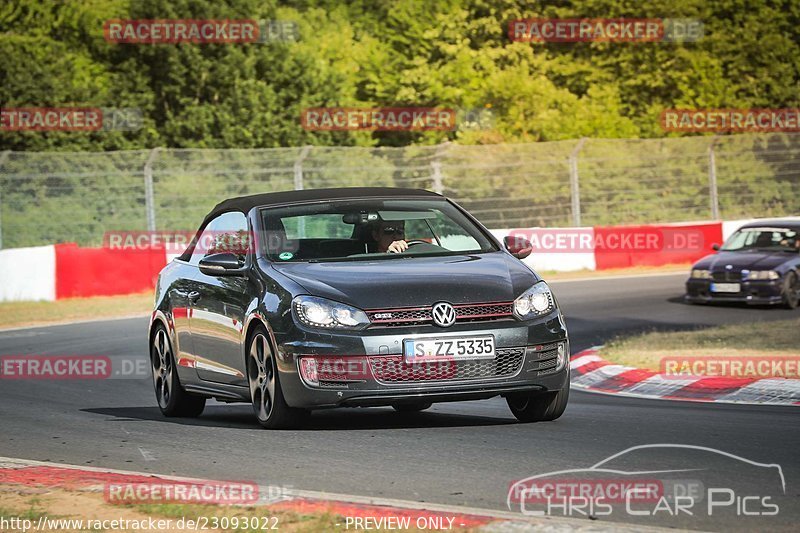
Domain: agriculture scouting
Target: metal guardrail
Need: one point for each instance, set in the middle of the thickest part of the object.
(48, 197)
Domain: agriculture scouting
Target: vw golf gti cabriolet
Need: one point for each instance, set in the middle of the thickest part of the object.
(354, 297)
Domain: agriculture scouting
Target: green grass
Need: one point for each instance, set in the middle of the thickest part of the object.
(17, 314)
(774, 338)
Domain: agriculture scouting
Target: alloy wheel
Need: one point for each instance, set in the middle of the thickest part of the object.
(162, 368)
(261, 374)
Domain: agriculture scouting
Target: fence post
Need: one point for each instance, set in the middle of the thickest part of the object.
(298, 168)
(574, 183)
(3, 158)
(712, 179)
(149, 203)
(436, 167)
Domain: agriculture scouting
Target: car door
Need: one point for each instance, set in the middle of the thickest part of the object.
(179, 293)
(219, 308)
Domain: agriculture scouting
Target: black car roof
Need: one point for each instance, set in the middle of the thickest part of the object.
(776, 223)
(246, 203)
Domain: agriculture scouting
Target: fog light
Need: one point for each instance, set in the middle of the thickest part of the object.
(562, 355)
(308, 370)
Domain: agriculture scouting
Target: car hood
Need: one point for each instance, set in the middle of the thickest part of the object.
(417, 281)
(750, 260)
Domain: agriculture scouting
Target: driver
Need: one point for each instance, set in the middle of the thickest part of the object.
(791, 242)
(389, 236)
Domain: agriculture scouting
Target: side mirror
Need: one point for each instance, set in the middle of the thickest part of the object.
(715, 247)
(519, 247)
(222, 264)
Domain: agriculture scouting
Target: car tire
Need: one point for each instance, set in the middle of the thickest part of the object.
(537, 406)
(791, 291)
(173, 400)
(411, 407)
(266, 395)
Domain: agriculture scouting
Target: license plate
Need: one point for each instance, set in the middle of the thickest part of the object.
(726, 287)
(449, 348)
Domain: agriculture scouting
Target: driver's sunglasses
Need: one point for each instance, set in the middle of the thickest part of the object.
(388, 230)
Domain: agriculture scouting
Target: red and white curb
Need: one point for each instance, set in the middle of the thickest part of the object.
(46, 474)
(592, 373)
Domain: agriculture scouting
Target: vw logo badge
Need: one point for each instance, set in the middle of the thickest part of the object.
(443, 314)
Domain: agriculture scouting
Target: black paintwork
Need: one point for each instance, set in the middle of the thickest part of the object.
(213, 327)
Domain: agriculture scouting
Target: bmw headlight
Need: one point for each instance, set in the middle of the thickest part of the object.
(536, 301)
(321, 313)
(762, 274)
(701, 274)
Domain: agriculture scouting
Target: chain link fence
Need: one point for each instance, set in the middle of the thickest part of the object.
(53, 197)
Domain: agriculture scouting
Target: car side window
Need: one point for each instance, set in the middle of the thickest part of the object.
(226, 233)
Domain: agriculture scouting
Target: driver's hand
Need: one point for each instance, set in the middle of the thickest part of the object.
(397, 247)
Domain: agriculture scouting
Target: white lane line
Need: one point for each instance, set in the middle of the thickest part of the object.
(147, 454)
(72, 323)
(21, 334)
(621, 276)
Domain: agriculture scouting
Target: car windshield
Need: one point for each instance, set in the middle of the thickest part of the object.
(774, 239)
(356, 230)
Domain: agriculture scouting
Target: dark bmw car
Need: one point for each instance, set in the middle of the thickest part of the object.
(358, 297)
(759, 264)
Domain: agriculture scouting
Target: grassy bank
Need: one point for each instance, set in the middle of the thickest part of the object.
(779, 338)
(18, 314)
(53, 504)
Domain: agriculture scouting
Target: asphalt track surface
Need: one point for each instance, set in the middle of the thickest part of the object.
(464, 453)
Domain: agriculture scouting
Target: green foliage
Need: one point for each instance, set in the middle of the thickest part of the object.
(450, 54)
(454, 53)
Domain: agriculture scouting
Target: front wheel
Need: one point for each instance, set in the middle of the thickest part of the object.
(271, 410)
(791, 291)
(172, 399)
(538, 407)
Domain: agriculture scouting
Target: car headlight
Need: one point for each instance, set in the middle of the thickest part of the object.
(701, 274)
(762, 274)
(536, 301)
(321, 313)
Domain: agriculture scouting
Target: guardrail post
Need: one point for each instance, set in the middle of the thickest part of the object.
(436, 167)
(298, 185)
(149, 203)
(574, 183)
(3, 158)
(298, 168)
(437, 186)
(712, 179)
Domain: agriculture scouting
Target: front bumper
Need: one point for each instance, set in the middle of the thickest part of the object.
(523, 368)
(759, 292)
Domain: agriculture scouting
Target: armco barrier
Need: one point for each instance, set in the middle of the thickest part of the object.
(546, 257)
(664, 244)
(104, 271)
(68, 271)
(28, 274)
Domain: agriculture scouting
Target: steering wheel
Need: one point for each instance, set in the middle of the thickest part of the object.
(416, 241)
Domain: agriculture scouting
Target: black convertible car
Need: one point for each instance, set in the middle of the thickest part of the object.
(759, 264)
(358, 297)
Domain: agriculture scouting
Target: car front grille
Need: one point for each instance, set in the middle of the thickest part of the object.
(726, 275)
(394, 369)
(414, 316)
